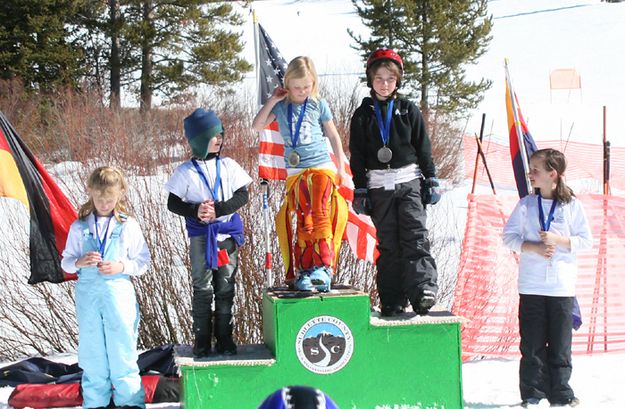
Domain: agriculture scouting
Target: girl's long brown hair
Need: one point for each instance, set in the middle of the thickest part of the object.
(107, 180)
(553, 159)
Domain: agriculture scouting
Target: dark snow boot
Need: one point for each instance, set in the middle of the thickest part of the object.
(202, 332)
(424, 302)
(391, 310)
(223, 333)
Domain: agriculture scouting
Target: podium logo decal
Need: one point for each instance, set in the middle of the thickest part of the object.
(324, 344)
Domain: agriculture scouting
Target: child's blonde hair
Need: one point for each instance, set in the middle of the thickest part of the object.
(107, 180)
(553, 159)
(302, 67)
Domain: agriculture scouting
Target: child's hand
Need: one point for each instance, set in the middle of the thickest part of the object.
(546, 250)
(279, 93)
(203, 211)
(548, 237)
(89, 259)
(108, 268)
(210, 210)
(341, 176)
(206, 211)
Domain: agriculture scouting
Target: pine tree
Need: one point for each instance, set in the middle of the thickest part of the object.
(436, 40)
(183, 44)
(37, 43)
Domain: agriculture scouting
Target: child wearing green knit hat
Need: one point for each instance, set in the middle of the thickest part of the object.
(207, 190)
(199, 128)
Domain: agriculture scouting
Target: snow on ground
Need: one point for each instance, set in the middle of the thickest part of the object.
(492, 383)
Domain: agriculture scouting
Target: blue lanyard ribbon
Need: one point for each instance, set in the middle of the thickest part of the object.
(298, 125)
(545, 224)
(215, 190)
(101, 242)
(384, 127)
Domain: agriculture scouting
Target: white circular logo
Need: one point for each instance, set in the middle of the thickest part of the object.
(324, 344)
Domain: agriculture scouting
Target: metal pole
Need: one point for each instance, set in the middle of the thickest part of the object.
(606, 155)
(481, 153)
(477, 154)
(268, 254)
(264, 183)
(257, 55)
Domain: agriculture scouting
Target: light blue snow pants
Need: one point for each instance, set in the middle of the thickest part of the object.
(108, 322)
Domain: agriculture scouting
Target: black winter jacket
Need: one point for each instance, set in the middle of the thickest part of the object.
(408, 140)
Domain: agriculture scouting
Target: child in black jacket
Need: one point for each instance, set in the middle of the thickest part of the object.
(394, 178)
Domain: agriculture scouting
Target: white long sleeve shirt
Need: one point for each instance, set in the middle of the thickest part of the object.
(538, 275)
(133, 250)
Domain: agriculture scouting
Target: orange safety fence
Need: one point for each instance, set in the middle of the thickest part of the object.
(585, 161)
(486, 292)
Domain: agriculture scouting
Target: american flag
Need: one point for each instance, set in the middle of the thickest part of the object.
(271, 69)
(272, 66)
(360, 232)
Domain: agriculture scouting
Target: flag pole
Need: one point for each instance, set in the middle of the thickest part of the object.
(256, 54)
(264, 183)
(268, 254)
(517, 125)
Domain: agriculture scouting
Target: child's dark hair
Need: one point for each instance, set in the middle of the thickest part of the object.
(389, 65)
(554, 160)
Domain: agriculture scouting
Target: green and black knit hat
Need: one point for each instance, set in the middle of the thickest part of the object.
(199, 128)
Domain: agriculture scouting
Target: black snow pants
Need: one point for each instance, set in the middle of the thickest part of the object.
(207, 283)
(405, 266)
(546, 326)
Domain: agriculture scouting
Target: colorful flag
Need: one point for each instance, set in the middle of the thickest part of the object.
(522, 144)
(22, 177)
(271, 66)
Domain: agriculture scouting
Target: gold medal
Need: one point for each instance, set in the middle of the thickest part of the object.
(385, 154)
(293, 159)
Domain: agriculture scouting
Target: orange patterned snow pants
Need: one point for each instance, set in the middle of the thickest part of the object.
(321, 215)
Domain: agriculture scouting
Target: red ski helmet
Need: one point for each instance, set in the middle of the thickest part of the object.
(384, 54)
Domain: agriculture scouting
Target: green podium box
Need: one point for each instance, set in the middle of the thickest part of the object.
(335, 343)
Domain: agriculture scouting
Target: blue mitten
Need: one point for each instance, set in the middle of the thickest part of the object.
(361, 203)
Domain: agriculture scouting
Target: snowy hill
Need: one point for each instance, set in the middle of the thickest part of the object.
(537, 37)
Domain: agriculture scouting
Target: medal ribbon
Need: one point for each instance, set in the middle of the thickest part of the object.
(384, 127)
(101, 242)
(215, 190)
(545, 224)
(298, 125)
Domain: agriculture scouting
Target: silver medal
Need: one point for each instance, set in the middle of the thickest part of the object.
(294, 159)
(385, 154)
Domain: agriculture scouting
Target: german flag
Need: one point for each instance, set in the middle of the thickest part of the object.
(22, 177)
